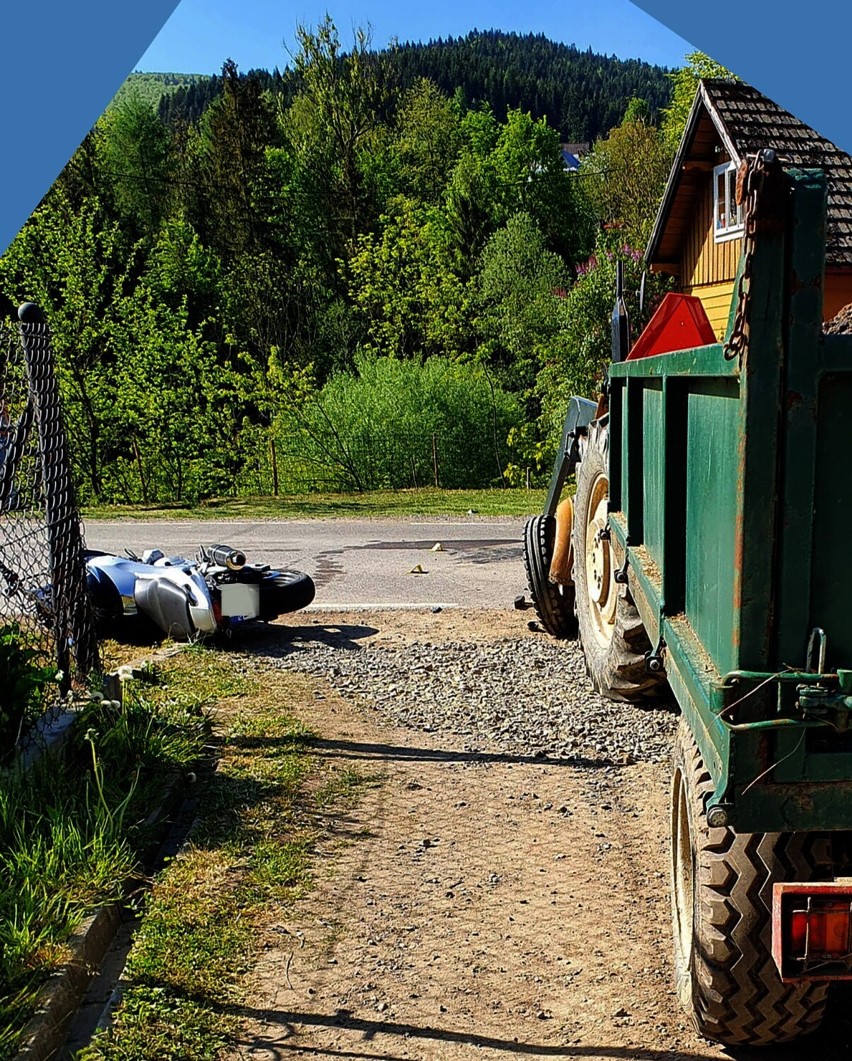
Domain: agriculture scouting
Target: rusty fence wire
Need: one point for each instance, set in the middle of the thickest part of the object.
(44, 607)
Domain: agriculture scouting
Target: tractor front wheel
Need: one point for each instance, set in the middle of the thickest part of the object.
(554, 604)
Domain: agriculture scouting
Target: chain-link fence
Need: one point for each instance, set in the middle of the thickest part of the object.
(46, 625)
(431, 459)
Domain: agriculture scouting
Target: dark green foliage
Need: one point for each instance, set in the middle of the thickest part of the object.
(24, 677)
(520, 289)
(202, 270)
(135, 151)
(153, 89)
(581, 93)
(386, 425)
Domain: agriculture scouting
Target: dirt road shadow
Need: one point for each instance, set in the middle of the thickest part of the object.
(278, 639)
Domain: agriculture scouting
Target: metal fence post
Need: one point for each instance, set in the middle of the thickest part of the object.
(73, 624)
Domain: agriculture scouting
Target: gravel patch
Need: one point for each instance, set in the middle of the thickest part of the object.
(520, 695)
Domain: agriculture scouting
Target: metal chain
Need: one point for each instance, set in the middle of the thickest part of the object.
(750, 180)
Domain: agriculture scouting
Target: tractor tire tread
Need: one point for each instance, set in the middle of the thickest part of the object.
(554, 605)
(737, 995)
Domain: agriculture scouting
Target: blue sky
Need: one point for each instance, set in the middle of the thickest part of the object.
(779, 46)
(202, 34)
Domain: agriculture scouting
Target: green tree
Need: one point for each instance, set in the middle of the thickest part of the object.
(519, 287)
(235, 133)
(406, 294)
(638, 110)
(470, 208)
(625, 176)
(175, 423)
(685, 82)
(335, 119)
(428, 140)
(75, 265)
(135, 152)
(181, 270)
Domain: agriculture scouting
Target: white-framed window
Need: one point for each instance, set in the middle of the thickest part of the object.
(727, 215)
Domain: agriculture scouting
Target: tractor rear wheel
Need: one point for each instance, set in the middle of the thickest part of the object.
(722, 917)
(614, 640)
(554, 604)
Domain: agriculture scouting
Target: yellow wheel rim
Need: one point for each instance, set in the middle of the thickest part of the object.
(600, 569)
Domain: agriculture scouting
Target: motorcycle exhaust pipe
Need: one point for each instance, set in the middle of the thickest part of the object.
(225, 556)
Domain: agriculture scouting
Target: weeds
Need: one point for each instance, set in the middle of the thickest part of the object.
(24, 678)
(70, 828)
(261, 815)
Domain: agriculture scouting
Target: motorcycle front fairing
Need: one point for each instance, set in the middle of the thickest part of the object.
(178, 600)
(172, 593)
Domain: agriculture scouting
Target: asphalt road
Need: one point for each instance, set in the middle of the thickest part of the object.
(357, 563)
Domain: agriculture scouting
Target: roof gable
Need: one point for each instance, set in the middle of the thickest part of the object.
(745, 121)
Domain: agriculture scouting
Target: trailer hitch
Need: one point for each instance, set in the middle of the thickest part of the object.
(794, 691)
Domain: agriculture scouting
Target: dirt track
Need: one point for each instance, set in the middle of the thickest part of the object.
(482, 905)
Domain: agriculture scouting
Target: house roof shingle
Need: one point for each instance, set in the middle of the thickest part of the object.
(748, 121)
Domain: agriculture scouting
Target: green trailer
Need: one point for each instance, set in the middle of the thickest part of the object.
(702, 559)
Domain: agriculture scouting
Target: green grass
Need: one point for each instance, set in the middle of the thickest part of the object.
(70, 830)
(260, 818)
(376, 503)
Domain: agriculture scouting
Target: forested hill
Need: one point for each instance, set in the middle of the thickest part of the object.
(581, 93)
(153, 87)
(345, 275)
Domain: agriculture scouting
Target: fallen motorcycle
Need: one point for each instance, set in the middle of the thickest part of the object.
(215, 593)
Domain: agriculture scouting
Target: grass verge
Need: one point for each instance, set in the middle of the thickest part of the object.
(70, 831)
(376, 503)
(261, 815)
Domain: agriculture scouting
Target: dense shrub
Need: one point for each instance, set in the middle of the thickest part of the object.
(383, 426)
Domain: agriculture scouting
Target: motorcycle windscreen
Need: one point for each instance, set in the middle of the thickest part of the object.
(167, 604)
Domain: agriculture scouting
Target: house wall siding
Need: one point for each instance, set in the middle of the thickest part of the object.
(703, 260)
(708, 268)
(716, 300)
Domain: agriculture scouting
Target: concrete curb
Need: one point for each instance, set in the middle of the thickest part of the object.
(59, 998)
(61, 995)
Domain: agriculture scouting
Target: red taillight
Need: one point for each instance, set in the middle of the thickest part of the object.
(820, 930)
(812, 930)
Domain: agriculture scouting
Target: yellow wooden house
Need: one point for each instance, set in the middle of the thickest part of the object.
(698, 233)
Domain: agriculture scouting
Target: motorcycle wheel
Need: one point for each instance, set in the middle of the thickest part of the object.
(285, 591)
